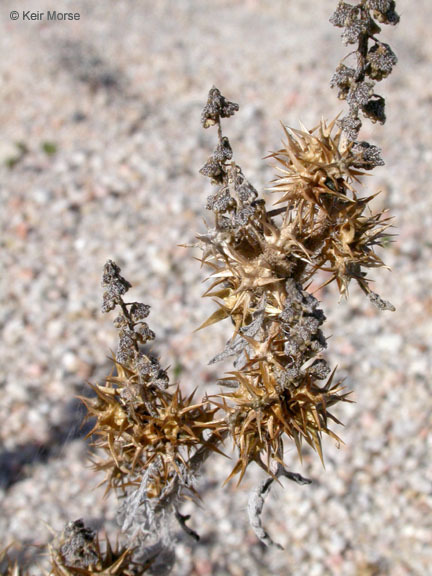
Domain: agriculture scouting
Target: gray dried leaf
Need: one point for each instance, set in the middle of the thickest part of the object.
(343, 15)
(367, 155)
(257, 500)
(381, 59)
(380, 303)
(375, 109)
(359, 94)
(384, 11)
(238, 345)
(350, 125)
(217, 107)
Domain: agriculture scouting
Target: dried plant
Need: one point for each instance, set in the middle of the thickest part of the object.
(262, 262)
(141, 425)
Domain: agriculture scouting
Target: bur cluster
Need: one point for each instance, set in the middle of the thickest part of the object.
(262, 265)
(153, 437)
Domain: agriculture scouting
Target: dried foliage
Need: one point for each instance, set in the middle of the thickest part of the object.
(374, 60)
(263, 261)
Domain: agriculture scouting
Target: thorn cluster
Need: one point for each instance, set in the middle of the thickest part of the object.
(140, 424)
(323, 211)
(258, 267)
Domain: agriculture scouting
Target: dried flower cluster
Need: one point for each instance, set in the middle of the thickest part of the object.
(374, 62)
(323, 210)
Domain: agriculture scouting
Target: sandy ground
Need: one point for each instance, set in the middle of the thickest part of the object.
(99, 156)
